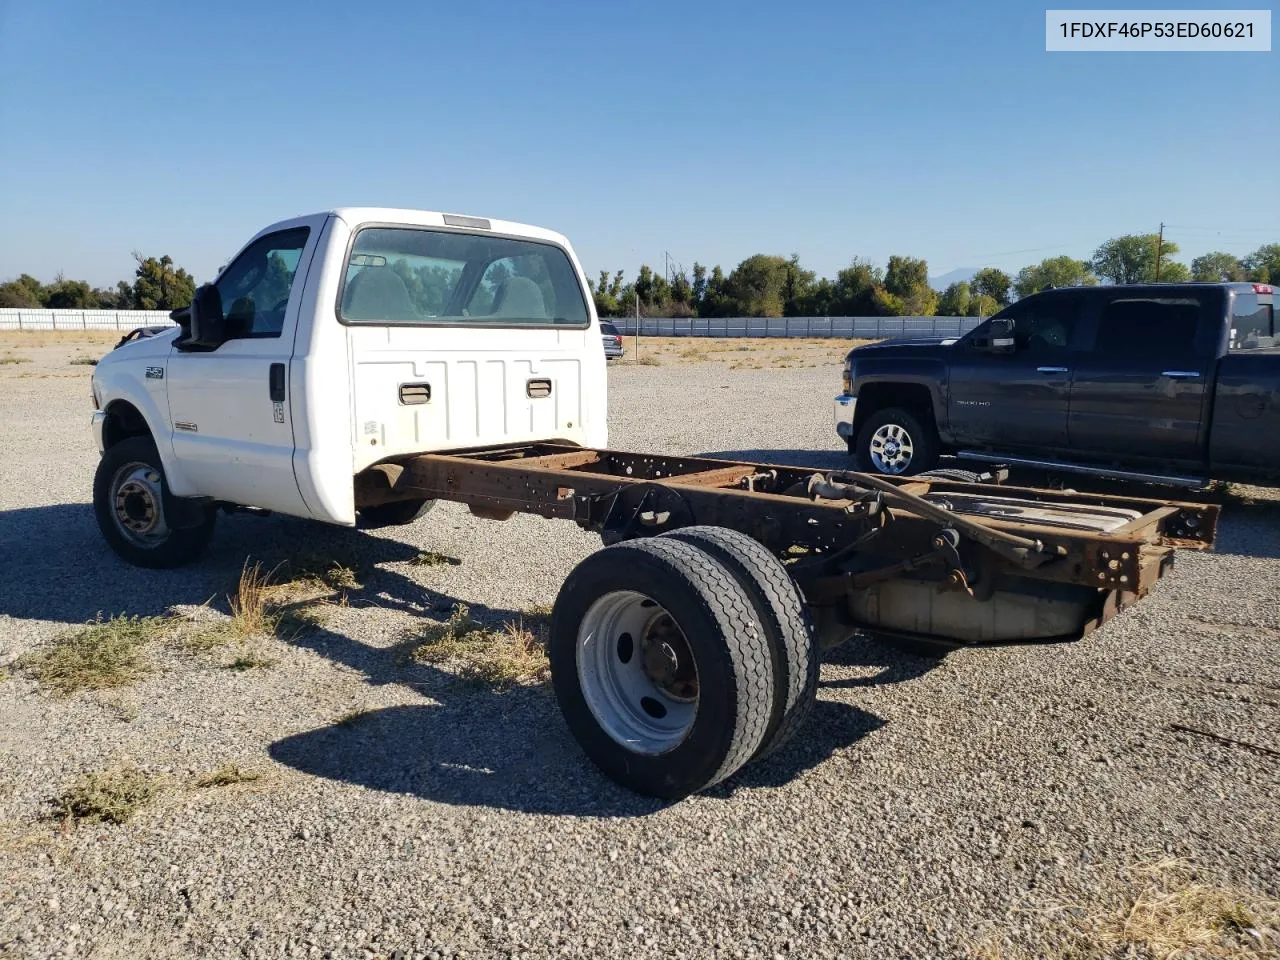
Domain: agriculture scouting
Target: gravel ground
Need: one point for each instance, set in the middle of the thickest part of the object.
(929, 807)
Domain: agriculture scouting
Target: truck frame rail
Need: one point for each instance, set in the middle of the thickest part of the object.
(839, 532)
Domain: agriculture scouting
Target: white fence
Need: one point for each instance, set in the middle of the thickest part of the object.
(846, 328)
(22, 319)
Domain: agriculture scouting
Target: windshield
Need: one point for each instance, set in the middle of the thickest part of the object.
(403, 275)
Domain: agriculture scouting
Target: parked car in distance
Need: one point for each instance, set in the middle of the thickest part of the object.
(612, 340)
(1171, 383)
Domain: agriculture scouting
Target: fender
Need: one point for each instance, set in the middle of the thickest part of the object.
(138, 379)
(881, 375)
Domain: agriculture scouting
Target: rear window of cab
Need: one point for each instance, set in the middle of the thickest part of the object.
(421, 276)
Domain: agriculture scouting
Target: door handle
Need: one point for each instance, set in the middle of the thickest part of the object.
(1181, 374)
(1051, 370)
(275, 382)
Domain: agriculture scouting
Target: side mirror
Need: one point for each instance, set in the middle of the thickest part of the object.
(205, 327)
(1000, 336)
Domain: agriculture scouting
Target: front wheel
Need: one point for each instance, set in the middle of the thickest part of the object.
(896, 442)
(138, 516)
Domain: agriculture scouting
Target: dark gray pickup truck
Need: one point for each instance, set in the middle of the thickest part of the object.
(1173, 383)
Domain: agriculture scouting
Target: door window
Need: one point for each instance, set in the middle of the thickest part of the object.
(1045, 325)
(1252, 320)
(1143, 325)
(255, 288)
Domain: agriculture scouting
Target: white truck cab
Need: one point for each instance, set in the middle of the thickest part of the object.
(333, 342)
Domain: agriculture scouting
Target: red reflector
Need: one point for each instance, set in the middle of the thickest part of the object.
(1263, 288)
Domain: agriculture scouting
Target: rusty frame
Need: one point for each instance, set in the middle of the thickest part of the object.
(623, 494)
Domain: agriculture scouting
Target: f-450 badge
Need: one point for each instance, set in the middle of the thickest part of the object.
(155, 373)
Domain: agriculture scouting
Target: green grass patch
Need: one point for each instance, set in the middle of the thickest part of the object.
(109, 796)
(97, 656)
(513, 654)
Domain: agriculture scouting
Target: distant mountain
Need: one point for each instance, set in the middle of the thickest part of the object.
(955, 276)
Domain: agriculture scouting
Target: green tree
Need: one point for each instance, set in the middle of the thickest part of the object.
(1053, 272)
(1217, 266)
(1171, 271)
(797, 288)
(159, 285)
(606, 293)
(121, 298)
(715, 300)
(983, 305)
(854, 293)
(65, 294)
(1132, 259)
(955, 300)
(993, 283)
(757, 286)
(699, 292)
(1264, 264)
(886, 304)
(26, 291)
(905, 275)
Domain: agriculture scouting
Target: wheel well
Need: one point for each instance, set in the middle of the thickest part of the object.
(123, 421)
(874, 397)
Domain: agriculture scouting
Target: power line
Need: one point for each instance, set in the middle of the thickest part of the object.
(1231, 230)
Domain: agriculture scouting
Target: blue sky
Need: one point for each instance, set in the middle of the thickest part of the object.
(709, 130)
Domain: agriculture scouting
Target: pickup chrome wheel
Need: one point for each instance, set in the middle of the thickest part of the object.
(891, 449)
(896, 442)
(138, 516)
(637, 672)
(661, 666)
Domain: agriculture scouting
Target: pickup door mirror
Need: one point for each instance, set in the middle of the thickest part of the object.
(203, 327)
(999, 337)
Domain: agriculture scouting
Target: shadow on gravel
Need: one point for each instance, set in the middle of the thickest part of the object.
(57, 567)
(896, 663)
(512, 751)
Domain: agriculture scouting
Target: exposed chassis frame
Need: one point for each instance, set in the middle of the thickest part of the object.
(815, 519)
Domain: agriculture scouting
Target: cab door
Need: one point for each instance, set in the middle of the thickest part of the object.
(1019, 399)
(230, 408)
(1142, 390)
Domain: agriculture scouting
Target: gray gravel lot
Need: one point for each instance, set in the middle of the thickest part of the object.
(929, 806)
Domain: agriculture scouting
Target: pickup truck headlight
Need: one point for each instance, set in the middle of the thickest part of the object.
(847, 383)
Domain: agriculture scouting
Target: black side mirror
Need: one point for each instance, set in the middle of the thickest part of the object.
(1000, 336)
(205, 327)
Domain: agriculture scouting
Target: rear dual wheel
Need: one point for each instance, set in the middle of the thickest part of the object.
(666, 669)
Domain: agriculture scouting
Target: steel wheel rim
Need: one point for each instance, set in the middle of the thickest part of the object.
(137, 504)
(637, 675)
(891, 448)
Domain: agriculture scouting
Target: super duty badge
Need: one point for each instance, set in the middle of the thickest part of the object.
(155, 373)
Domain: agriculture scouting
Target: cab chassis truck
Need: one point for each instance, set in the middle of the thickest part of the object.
(360, 365)
(690, 644)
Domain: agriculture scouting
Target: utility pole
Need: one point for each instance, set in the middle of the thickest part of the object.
(1159, 250)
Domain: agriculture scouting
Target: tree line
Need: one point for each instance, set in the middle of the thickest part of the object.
(766, 285)
(158, 284)
(763, 285)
